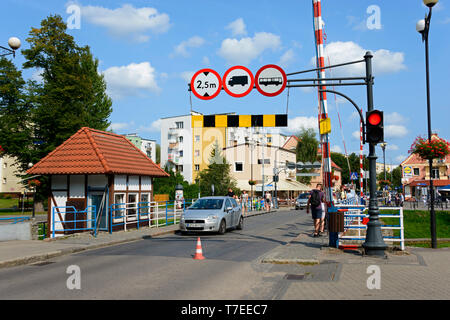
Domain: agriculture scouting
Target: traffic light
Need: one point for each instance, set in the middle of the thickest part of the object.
(374, 127)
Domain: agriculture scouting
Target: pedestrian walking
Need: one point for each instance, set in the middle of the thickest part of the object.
(244, 201)
(315, 201)
(267, 199)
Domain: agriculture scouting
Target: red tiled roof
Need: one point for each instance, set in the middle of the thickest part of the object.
(91, 151)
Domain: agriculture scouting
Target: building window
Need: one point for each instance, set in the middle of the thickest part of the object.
(5, 165)
(197, 153)
(145, 203)
(238, 167)
(266, 161)
(4, 180)
(118, 208)
(435, 173)
(269, 139)
(180, 168)
(180, 139)
(197, 138)
(181, 153)
(416, 171)
(132, 204)
(179, 125)
(197, 167)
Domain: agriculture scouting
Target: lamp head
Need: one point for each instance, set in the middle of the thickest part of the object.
(420, 26)
(14, 43)
(430, 3)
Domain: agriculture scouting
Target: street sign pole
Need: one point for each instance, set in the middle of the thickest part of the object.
(374, 244)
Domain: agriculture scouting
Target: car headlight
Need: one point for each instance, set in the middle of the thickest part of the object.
(182, 216)
(212, 217)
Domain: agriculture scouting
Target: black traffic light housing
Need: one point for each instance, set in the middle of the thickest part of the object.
(374, 127)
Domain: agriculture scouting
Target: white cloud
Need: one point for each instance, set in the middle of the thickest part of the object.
(356, 135)
(155, 126)
(287, 58)
(37, 75)
(128, 20)
(399, 159)
(243, 51)
(187, 75)
(237, 27)
(394, 118)
(117, 126)
(295, 125)
(392, 147)
(131, 79)
(384, 61)
(395, 131)
(336, 148)
(206, 61)
(194, 42)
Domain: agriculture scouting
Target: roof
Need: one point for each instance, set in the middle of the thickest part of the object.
(436, 183)
(91, 151)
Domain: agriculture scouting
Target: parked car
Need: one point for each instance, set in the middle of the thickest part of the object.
(301, 201)
(212, 214)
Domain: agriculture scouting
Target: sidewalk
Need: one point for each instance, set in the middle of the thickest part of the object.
(20, 252)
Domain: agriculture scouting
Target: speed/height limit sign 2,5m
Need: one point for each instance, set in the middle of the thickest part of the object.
(238, 81)
(270, 80)
(206, 84)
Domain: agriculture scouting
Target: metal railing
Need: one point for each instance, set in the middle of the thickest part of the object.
(14, 220)
(150, 214)
(356, 218)
(86, 222)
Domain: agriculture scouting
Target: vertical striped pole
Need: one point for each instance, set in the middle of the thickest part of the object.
(361, 169)
(323, 112)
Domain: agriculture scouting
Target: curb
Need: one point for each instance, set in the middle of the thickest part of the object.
(62, 252)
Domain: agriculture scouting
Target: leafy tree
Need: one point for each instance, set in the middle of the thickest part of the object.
(353, 159)
(217, 173)
(16, 109)
(158, 153)
(72, 94)
(306, 151)
(167, 185)
(37, 117)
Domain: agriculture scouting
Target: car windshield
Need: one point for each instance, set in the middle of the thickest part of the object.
(303, 196)
(214, 204)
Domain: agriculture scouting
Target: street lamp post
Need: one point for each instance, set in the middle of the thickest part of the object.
(374, 244)
(14, 44)
(383, 147)
(423, 27)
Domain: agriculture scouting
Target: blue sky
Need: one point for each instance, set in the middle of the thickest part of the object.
(148, 50)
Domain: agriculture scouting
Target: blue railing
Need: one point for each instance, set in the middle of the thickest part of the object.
(65, 224)
(14, 220)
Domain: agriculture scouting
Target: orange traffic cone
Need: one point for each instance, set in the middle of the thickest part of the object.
(198, 251)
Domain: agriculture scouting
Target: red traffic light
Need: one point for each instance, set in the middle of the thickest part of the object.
(375, 118)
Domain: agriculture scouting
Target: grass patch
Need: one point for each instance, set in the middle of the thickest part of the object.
(417, 223)
(443, 244)
(9, 203)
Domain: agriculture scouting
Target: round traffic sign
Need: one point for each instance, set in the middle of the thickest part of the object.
(238, 81)
(206, 84)
(270, 80)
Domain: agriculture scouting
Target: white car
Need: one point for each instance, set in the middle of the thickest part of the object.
(212, 214)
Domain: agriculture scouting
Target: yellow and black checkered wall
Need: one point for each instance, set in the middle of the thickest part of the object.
(230, 121)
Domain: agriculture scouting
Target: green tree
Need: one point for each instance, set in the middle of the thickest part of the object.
(37, 117)
(218, 174)
(354, 161)
(16, 109)
(72, 94)
(158, 153)
(306, 151)
(167, 185)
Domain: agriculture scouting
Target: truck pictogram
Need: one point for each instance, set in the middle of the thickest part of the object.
(235, 80)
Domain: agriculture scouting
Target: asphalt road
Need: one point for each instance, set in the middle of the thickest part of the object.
(164, 268)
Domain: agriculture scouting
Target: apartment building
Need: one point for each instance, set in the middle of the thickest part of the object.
(9, 182)
(147, 146)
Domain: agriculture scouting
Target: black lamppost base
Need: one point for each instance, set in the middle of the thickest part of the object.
(374, 250)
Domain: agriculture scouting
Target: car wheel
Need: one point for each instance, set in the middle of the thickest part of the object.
(222, 227)
(240, 226)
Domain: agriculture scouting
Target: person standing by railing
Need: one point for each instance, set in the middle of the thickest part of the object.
(244, 202)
